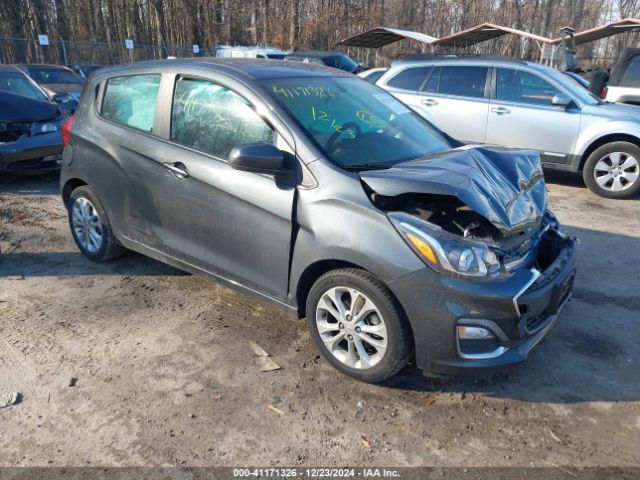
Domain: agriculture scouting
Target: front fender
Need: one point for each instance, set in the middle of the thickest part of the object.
(337, 222)
(599, 130)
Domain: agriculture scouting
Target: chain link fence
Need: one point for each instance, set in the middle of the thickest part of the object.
(69, 52)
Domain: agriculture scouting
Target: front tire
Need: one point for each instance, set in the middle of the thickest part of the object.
(358, 325)
(613, 170)
(90, 226)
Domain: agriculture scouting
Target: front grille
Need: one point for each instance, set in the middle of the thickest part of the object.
(9, 137)
(537, 322)
(11, 132)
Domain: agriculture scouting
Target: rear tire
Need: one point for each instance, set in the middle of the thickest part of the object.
(90, 226)
(358, 325)
(613, 170)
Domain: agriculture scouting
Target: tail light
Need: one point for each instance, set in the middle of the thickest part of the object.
(65, 130)
(603, 93)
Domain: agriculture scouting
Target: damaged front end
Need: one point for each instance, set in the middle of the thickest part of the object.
(30, 139)
(471, 212)
(479, 216)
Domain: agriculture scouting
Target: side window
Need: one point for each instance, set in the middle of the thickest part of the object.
(131, 100)
(463, 81)
(410, 78)
(523, 87)
(213, 119)
(433, 81)
(631, 77)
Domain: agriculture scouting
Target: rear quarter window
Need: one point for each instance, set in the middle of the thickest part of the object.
(131, 100)
(410, 78)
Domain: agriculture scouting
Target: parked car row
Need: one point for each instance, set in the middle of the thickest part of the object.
(392, 216)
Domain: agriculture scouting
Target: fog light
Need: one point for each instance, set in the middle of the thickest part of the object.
(474, 333)
(478, 343)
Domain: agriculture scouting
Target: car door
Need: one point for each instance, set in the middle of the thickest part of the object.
(452, 97)
(124, 130)
(522, 115)
(227, 222)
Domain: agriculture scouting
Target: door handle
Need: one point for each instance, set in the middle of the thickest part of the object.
(501, 110)
(177, 168)
(429, 102)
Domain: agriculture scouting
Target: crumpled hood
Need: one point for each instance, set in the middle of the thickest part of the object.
(18, 108)
(504, 186)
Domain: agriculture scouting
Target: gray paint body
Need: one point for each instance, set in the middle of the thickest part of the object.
(268, 236)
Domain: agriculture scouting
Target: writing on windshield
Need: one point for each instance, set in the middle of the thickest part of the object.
(355, 122)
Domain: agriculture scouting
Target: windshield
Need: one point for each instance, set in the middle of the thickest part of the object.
(577, 79)
(54, 75)
(356, 124)
(18, 84)
(89, 69)
(576, 90)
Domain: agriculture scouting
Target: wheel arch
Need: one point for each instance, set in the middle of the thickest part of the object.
(312, 273)
(69, 186)
(614, 137)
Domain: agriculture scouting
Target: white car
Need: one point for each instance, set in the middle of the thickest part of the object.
(624, 83)
(373, 74)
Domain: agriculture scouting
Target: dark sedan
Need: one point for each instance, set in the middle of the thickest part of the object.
(85, 69)
(61, 83)
(328, 59)
(30, 140)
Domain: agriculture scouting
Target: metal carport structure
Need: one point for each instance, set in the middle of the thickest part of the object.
(484, 32)
(603, 31)
(381, 36)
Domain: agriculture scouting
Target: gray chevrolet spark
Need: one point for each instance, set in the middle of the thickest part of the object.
(324, 196)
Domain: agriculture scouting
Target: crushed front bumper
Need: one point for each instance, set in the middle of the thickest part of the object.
(518, 311)
(32, 154)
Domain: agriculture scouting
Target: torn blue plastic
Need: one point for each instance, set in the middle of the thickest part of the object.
(504, 186)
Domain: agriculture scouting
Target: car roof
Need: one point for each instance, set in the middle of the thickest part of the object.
(315, 54)
(249, 68)
(46, 65)
(431, 58)
(11, 69)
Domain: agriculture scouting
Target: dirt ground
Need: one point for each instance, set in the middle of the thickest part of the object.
(163, 373)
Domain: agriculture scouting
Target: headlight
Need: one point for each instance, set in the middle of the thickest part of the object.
(37, 128)
(442, 250)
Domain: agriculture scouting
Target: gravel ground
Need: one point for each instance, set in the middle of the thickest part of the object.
(133, 363)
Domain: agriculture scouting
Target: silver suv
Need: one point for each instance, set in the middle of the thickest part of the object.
(521, 104)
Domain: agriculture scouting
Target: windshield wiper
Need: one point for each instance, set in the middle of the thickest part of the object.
(365, 166)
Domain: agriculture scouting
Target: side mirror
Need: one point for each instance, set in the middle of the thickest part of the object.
(561, 100)
(258, 158)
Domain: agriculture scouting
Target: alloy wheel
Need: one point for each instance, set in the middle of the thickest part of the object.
(616, 171)
(87, 225)
(351, 327)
